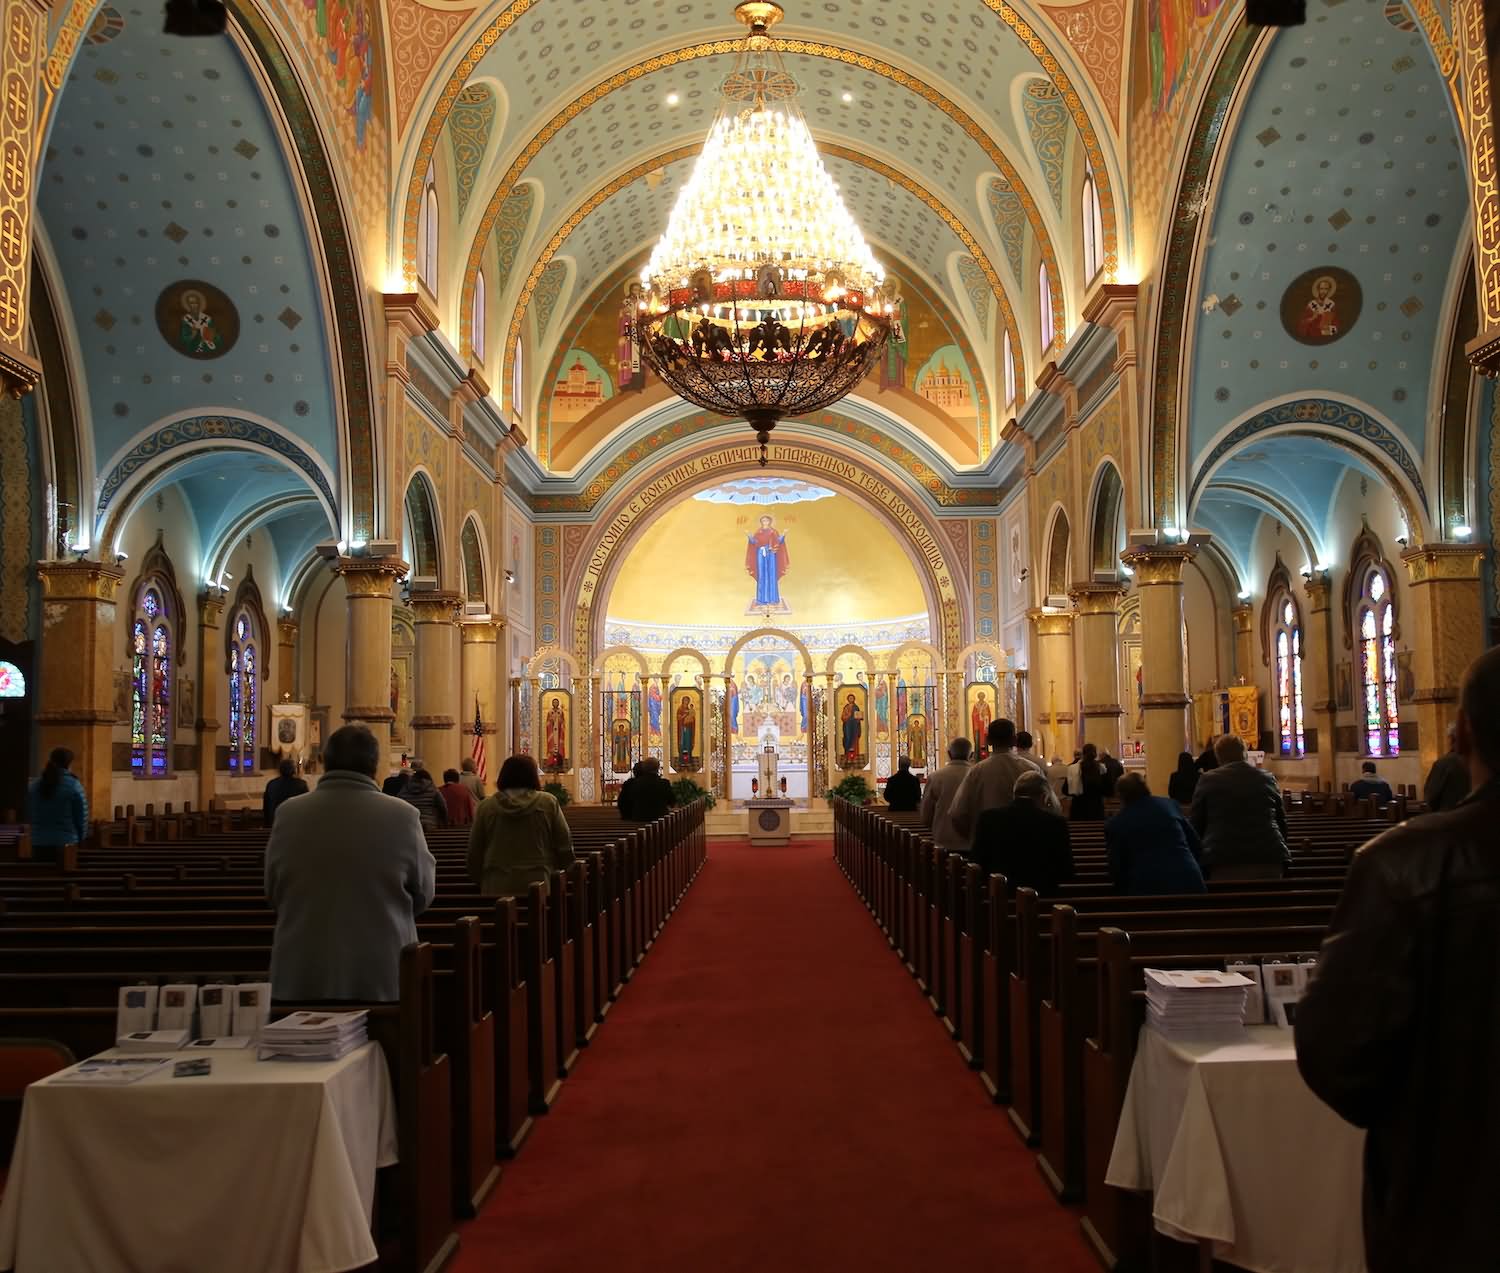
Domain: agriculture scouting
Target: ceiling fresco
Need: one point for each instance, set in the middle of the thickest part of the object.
(1340, 212)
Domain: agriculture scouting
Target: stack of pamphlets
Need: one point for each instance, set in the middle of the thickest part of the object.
(1196, 1003)
(314, 1036)
(110, 1070)
(153, 1040)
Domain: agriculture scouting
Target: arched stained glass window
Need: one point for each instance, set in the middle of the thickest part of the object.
(427, 233)
(1008, 356)
(152, 654)
(517, 379)
(1093, 230)
(1044, 305)
(1288, 683)
(1375, 623)
(244, 702)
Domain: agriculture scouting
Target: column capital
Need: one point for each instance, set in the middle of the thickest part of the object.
(210, 608)
(20, 373)
(286, 630)
(370, 576)
(1158, 563)
(1428, 563)
(1096, 598)
(81, 580)
(436, 607)
(481, 631)
(1051, 622)
(1244, 616)
(1319, 589)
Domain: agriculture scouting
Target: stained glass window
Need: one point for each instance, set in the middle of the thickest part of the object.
(1093, 230)
(1288, 644)
(1044, 304)
(151, 658)
(1376, 621)
(243, 715)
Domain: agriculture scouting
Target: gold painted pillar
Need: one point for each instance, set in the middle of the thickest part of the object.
(211, 674)
(435, 721)
(1444, 624)
(480, 639)
(25, 46)
(368, 582)
(1476, 31)
(1098, 652)
(1056, 685)
(1164, 692)
(1244, 645)
(1319, 705)
(286, 658)
(1021, 718)
(75, 662)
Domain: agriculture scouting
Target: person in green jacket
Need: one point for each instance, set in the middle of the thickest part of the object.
(519, 835)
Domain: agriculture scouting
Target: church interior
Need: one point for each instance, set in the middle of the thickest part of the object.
(348, 380)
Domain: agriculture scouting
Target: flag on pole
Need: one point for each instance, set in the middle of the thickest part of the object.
(476, 752)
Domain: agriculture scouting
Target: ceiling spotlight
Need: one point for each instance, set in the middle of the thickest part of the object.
(1462, 532)
(673, 99)
(1244, 594)
(848, 97)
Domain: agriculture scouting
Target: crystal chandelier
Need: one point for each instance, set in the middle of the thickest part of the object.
(762, 298)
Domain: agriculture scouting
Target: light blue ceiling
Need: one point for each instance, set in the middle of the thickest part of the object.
(163, 166)
(1346, 156)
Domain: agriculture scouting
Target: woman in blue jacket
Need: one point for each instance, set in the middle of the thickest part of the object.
(56, 808)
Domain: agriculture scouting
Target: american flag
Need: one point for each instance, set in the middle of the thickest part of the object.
(477, 751)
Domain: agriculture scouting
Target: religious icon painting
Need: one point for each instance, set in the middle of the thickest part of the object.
(766, 561)
(197, 319)
(851, 726)
(1321, 305)
(621, 746)
(556, 731)
(917, 740)
(980, 704)
(684, 727)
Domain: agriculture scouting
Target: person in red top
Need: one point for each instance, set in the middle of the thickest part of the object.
(458, 799)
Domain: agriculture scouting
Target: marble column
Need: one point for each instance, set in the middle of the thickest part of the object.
(1098, 653)
(480, 639)
(368, 582)
(1244, 644)
(1320, 708)
(211, 675)
(75, 662)
(1444, 628)
(286, 659)
(1164, 692)
(1055, 685)
(438, 709)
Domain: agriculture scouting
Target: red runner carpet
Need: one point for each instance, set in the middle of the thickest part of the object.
(772, 1093)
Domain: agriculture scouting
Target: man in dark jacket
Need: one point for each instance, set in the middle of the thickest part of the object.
(1448, 779)
(1370, 784)
(1237, 813)
(395, 783)
(1399, 1031)
(1152, 848)
(902, 790)
(645, 795)
(1027, 840)
(281, 788)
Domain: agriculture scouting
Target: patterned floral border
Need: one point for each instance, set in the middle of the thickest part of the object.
(224, 433)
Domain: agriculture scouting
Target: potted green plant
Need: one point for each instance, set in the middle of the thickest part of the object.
(685, 791)
(559, 792)
(853, 788)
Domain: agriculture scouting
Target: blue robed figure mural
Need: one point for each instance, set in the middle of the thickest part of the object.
(765, 562)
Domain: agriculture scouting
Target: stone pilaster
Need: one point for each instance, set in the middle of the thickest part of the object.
(211, 674)
(481, 643)
(1444, 627)
(1164, 691)
(24, 49)
(435, 723)
(1318, 702)
(1098, 654)
(367, 585)
(1244, 643)
(1054, 684)
(286, 658)
(75, 666)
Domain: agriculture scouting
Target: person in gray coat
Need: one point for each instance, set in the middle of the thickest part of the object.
(347, 873)
(1238, 814)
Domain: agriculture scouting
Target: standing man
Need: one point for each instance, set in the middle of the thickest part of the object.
(347, 873)
(1237, 813)
(1448, 779)
(991, 784)
(1399, 1031)
(469, 777)
(937, 799)
(1023, 750)
(903, 793)
(280, 789)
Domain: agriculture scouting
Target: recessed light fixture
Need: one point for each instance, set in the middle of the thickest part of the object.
(672, 99)
(848, 97)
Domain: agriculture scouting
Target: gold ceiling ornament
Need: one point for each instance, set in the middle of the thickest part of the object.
(761, 299)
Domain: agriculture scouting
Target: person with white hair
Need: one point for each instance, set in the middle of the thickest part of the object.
(1026, 841)
(937, 798)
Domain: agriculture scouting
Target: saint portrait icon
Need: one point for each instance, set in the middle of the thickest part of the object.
(197, 319)
(766, 562)
(1321, 305)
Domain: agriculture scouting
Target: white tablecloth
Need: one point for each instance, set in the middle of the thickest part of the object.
(1239, 1152)
(257, 1167)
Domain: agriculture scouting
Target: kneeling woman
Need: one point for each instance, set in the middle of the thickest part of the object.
(519, 835)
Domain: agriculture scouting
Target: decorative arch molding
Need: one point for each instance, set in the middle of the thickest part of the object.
(424, 524)
(643, 667)
(611, 188)
(247, 598)
(1026, 33)
(808, 668)
(1343, 424)
(1278, 583)
(157, 567)
(1106, 507)
(219, 550)
(1059, 546)
(471, 551)
(687, 652)
(153, 454)
(830, 664)
(993, 649)
(893, 659)
(624, 521)
(1270, 503)
(535, 665)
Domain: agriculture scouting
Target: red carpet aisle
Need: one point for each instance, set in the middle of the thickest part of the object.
(772, 1093)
